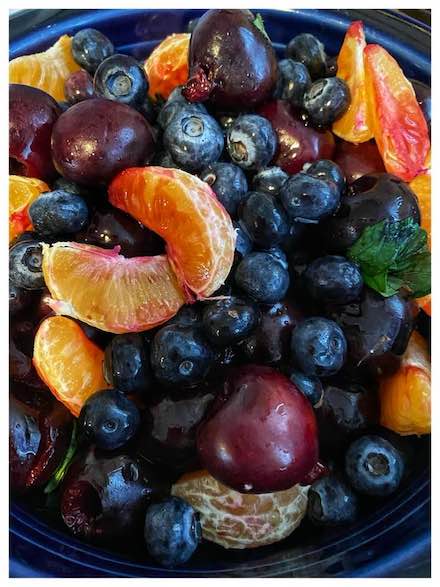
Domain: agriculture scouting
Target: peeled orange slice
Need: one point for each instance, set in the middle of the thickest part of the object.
(355, 126)
(106, 290)
(68, 362)
(399, 127)
(22, 192)
(238, 520)
(48, 70)
(167, 66)
(184, 211)
(405, 396)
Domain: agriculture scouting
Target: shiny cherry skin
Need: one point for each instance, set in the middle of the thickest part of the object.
(262, 434)
(38, 440)
(169, 426)
(374, 325)
(109, 227)
(297, 143)
(105, 496)
(358, 160)
(95, 139)
(269, 344)
(32, 115)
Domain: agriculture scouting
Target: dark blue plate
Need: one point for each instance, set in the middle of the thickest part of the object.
(393, 539)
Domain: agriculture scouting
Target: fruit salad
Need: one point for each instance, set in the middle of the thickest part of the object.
(219, 274)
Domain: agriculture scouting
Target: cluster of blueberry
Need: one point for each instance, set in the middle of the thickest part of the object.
(287, 302)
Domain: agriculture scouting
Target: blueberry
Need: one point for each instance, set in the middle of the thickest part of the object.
(326, 100)
(293, 81)
(194, 140)
(180, 355)
(229, 321)
(186, 316)
(251, 142)
(121, 78)
(328, 171)
(25, 265)
(294, 236)
(308, 199)
(90, 48)
(279, 255)
(109, 419)
(243, 243)
(308, 50)
(318, 347)
(175, 105)
(264, 219)
(262, 277)
(331, 502)
(309, 385)
(374, 466)
(172, 531)
(19, 299)
(333, 279)
(127, 363)
(58, 212)
(228, 182)
(269, 180)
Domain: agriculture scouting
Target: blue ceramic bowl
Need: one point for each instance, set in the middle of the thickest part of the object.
(394, 538)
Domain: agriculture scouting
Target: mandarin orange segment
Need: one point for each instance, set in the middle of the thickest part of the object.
(22, 192)
(167, 66)
(421, 186)
(238, 520)
(183, 210)
(405, 396)
(399, 126)
(108, 291)
(355, 126)
(48, 70)
(68, 362)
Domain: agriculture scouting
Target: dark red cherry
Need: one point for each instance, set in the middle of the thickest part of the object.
(297, 143)
(32, 114)
(270, 341)
(261, 435)
(109, 227)
(358, 160)
(38, 441)
(95, 139)
(168, 432)
(105, 496)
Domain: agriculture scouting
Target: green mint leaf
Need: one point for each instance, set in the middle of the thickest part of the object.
(59, 474)
(393, 257)
(259, 23)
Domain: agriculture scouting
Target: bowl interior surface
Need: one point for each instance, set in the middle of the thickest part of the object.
(392, 533)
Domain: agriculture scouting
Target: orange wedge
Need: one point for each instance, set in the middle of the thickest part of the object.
(22, 192)
(399, 126)
(239, 520)
(68, 362)
(167, 66)
(48, 70)
(355, 126)
(421, 186)
(184, 211)
(405, 396)
(106, 290)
